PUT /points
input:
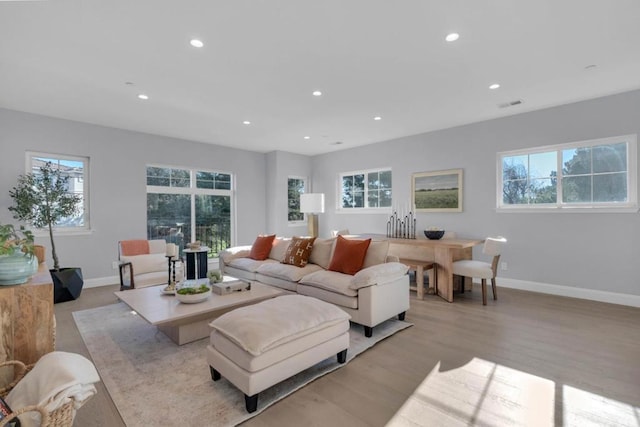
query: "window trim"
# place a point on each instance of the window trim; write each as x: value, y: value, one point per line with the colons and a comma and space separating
x: 366, y: 209
x: 192, y: 189
x: 629, y: 206
x: 303, y: 221
x: 86, y: 193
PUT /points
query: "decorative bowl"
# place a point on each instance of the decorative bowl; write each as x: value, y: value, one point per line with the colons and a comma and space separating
x: 434, y: 234
x: 197, y: 293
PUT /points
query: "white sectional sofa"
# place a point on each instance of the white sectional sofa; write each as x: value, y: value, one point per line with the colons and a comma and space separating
x: 379, y: 291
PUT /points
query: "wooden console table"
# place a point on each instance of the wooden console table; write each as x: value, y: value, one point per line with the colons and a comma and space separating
x: 27, y: 320
x: 443, y: 252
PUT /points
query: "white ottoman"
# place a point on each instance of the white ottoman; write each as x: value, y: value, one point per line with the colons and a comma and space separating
x: 258, y: 346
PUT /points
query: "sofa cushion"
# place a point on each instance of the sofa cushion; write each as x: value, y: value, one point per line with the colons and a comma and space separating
x: 321, y: 252
x: 286, y: 271
x: 280, y: 245
x: 146, y: 263
x: 249, y: 264
x: 329, y: 296
x: 376, y: 253
x: 379, y: 273
x: 348, y: 255
x: 262, y: 247
x: 299, y: 251
x: 330, y: 280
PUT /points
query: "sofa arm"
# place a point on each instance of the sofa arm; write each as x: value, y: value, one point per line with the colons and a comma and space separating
x: 378, y: 274
x: 232, y: 253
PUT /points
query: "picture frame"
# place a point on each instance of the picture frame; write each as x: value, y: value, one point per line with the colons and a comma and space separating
x: 437, y: 191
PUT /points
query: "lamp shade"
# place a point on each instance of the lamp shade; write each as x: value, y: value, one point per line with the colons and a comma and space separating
x: 312, y: 203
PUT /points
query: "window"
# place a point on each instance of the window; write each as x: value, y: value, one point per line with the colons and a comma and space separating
x: 185, y: 205
x: 296, y: 186
x: 366, y: 189
x: 588, y: 174
x: 77, y: 170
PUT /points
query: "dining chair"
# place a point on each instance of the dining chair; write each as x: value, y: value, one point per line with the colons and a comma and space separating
x: 480, y: 269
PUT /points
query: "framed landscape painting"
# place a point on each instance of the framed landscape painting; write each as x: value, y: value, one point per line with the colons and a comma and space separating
x: 439, y: 191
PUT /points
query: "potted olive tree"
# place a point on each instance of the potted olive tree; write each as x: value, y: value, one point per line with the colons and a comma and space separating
x: 41, y: 199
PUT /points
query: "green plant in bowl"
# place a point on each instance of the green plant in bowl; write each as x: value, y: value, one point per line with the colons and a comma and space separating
x: 192, y: 290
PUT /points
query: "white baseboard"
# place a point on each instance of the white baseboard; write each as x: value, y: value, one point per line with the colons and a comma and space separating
x: 101, y: 281
x: 570, y: 291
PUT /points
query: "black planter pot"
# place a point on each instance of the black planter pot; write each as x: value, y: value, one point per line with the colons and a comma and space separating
x: 67, y: 284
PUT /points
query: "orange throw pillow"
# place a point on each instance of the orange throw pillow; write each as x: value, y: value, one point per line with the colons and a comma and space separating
x: 261, y: 247
x: 299, y: 251
x: 349, y: 254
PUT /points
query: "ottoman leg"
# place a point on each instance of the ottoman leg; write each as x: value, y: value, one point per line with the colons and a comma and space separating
x: 401, y: 315
x: 342, y: 356
x: 215, y: 375
x: 251, y: 402
x: 368, y: 331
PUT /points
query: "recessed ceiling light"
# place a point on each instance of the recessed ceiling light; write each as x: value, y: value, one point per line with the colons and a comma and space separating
x: 143, y: 96
x: 337, y: 143
x: 317, y: 93
x: 452, y: 37
x: 377, y: 118
x: 494, y: 86
x: 307, y: 137
x: 246, y: 122
x: 196, y: 43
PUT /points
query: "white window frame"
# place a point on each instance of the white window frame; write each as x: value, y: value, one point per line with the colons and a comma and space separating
x: 306, y: 189
x: 366, y: 209
x: 193, y: 190
x: 74, y: 229
x: 630, y: 206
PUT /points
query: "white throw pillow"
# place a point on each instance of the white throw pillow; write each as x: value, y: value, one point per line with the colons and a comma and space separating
x: 377, y: 253
x: 322, y: 252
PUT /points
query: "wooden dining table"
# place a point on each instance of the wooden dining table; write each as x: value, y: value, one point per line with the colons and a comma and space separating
x: 443, y: 252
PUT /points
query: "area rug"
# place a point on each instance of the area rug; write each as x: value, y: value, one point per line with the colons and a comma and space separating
x: 152, y: 381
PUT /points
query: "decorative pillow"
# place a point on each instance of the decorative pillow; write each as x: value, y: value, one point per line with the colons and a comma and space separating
x: 280, y: 245
x: 146, y: 263
x: 299, y: 251
x: 262, y: 247
x: 349, y: 254
x: 377, y: 253
x: 321, y: 253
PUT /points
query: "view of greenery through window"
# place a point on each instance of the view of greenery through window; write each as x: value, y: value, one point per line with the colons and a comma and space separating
x: 296, y: 186
x: 367, y: 189
x: 76, y: 169
x: 186, y: 205
x: 590, y: 174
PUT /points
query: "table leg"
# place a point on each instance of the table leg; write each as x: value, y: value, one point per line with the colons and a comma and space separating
x: 444, y: 260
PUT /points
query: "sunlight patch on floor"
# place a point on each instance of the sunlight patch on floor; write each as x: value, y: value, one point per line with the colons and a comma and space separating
x: 483, y: 393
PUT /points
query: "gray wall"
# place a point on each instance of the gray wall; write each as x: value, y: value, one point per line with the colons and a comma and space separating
x: 117, y: 181
x: 597, y: 251
x: 580, y: 251
x: 280, y: 166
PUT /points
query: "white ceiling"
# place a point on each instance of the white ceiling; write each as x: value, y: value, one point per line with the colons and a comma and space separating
x: 262, y: 59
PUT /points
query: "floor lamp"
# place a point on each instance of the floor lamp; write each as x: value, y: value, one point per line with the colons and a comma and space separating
x: 312, y: 204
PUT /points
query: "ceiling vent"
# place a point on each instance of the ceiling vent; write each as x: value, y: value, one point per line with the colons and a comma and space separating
x: 511, y: 103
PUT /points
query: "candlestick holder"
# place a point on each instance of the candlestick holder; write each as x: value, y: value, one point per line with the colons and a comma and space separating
x: 401, y: 227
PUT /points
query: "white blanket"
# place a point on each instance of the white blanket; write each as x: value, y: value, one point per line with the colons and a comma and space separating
x: 266, y: 325
x: 56, y: 378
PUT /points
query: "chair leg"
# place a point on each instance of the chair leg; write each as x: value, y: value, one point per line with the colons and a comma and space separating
x: 495, y: 290
x: 484, y: 291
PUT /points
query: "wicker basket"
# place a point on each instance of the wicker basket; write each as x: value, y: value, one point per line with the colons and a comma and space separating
x: 61, y: 417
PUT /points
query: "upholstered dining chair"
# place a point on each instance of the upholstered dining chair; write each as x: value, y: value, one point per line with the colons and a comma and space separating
x: 480, y: 269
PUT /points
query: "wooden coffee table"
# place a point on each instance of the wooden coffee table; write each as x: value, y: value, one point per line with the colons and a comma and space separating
x: 184, y: 323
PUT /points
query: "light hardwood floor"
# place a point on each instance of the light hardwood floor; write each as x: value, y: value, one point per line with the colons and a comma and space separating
x: 526, y: 359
